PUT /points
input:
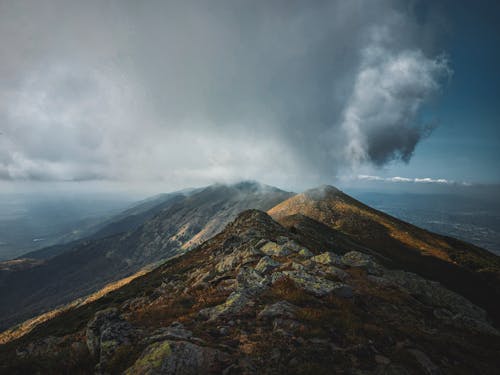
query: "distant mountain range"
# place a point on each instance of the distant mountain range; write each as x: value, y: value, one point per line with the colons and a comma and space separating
x: 320, y: 283
x: 153, y: 231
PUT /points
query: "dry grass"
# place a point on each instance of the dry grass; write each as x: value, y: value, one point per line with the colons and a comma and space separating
x: 27, y: 326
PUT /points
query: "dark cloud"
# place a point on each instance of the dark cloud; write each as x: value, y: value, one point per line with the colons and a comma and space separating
x: 193, y: 92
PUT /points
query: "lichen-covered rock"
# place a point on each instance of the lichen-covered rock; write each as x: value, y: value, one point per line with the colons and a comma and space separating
x: 282, y: 309
x: 237, y: 258
x: 106, y: 333
x: 355, y: 259
x: 452, y: 307
x: 266, y: 264
x: 250, y: 281
x: 327, y: 258
x: 305, y: 253
x: 316, y: 285
x: 178, y: 357
x: 337, y: 272
x: 273, y: 249
x: 233, y: 304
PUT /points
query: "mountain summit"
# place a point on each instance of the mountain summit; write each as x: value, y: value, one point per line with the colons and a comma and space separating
x: 464, y: 268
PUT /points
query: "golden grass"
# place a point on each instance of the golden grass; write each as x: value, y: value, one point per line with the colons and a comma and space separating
x: 27, y: 326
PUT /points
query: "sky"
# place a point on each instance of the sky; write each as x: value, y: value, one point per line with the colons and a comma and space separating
x: 161, y: 95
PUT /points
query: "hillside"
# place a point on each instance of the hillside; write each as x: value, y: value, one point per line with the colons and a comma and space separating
x: 261, y: 298
x: 462, y: 267
x: 178, y: 225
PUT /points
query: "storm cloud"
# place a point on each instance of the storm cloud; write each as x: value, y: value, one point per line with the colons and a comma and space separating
x: 203, y: 91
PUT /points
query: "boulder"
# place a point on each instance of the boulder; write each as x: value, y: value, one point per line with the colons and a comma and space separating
x: 355, y: 259
x: 316, y: 285
x: 273, y: 249
x: 327, y: 258
x: 282, y: 309
x: 106, y: 333
x: 178, y: 357
x: 448, y: 306
x: 266, y: 264
x: 305, y: 253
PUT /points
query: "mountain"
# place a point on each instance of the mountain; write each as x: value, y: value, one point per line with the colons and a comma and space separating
x: 262, y: 297
x: 127, y: 220
x: 176, y: 225
x: 462, y: 267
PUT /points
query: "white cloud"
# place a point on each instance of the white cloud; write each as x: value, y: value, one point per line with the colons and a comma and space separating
x: 380, y: 120
x: 425, y: 180
x: 188, y: 93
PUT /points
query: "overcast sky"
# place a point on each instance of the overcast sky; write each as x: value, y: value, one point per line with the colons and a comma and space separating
x: 185, y: 93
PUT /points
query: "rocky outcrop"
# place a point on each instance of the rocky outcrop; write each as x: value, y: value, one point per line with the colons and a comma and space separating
x: 178, y: 357
x: 106, y: 333
x: 238, y: 305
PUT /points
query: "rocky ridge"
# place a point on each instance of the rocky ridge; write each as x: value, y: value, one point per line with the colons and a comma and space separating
x: 259, y: 298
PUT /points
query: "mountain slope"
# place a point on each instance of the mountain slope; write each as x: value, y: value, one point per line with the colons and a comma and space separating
x: 260, y: 298
x: 129, y: 219
x: 90, y: 264
x: 462, y: 267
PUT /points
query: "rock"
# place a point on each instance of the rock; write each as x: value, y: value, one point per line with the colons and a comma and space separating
x: 315, y: 285
x: 282, y: 240
x: 298, y: 266
x: 343, y: 291
x: 381, y: 360
x: 424, y: 361
x: 202, y: 278
x: 337, y: 272
x: 282, y: 309
x: 250, y: 281
x: 237, y: 258
x: 327, y: 258
x: 175, y: 331
x: 305, y: 253
x: 266, y: 264
x: 233, y: 304
x: 355, y: 259
x: 273, y: 249
x: 106, y: 332
x: 448, y: 306
x: 178, y: 357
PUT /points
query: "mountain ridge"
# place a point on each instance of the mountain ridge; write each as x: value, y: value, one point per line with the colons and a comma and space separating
x: 463, y: 267
x: 259, y: 297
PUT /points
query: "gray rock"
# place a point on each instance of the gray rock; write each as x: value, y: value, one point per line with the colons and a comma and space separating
x: 282, y: 309
x: 305, y: 253
x: 424, y: 361
x: 106, y: 333
x: 327, y: 258
x: 178, y: 357
x: 318, y: 286
x: 356, y: 259
x: 273, y: 249
x: 337, y: 272
x: 448, y: 306
x: 266, y: 264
